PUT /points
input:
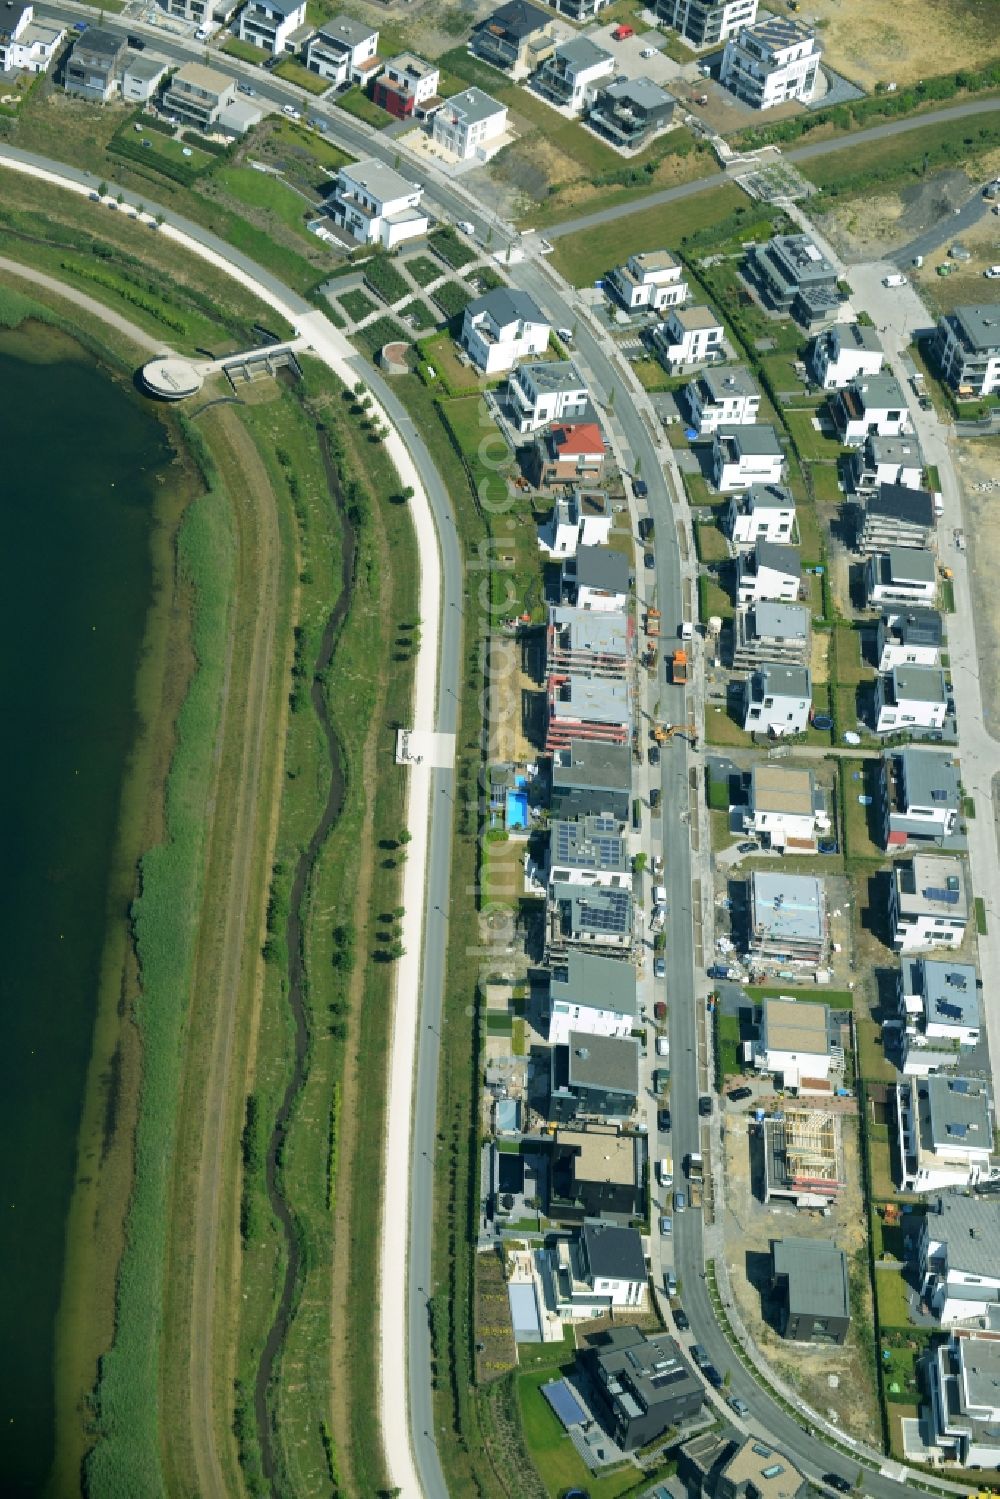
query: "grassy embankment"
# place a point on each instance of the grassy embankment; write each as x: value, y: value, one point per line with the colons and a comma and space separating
x: 322, y: 1405
x: 884, y: 163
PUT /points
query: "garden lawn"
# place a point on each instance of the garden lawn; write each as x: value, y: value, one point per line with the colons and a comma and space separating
x: 860, y: 820
x: 243, y: 50
x: 261, y: 190
x: 583, y: 257
x: 891, y: 1299
x: 171, y: 150
x: 423, y: 269
x: 357, y: 103
x: 551, y: 1450
x: 294, y: 72
x: 810, y: 443
x: 711, y: 544
x: 285, y: 132
x: 872, y: 1063
x: 729, y: 1032
x: 825, y: 483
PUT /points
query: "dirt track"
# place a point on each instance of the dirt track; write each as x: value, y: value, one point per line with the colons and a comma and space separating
x: 227, y: 973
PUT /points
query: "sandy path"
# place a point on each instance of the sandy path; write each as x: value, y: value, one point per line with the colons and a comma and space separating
x: 89, y: 304
x: 335, y: 352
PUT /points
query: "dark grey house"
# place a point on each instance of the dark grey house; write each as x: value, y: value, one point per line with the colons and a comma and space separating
x: 706, y: 22
x: 809, y: 1278
x: 793, y: 276
x: 514, y: 37
x: 590, y: 777
x: 595, y: 1172
x: 628, y: 111
x: 644, y: 1385
x: 895, y: 516
x: 967, y: 349
x: 921, y: 798
x: 596, y: 1075
x: 596, y: 573
x: 93, y: 67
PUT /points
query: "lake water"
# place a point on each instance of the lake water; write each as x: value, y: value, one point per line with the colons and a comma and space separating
x: 78, y: 485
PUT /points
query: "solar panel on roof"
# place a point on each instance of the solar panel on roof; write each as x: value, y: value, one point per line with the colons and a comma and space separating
x: 939, y: 796
x: 947, y: 897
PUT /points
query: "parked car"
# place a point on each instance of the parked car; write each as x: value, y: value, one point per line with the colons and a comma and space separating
x: 246, y: 88
x: 740, y: 1406
x: 992, y: 273
x: 640, y: 487
x: 649, y: 560
x: 680, y: 1202
x: 659, y: 1009
x: 654, y: 754
x: 842, y: 1485
x: 662, y: 1043
x: 666, y: 1226
x: 566, y: 334
x: 659, y: 972
x: 719, y: 971
x: 681, y: 1320
x: 671, y: 1283
x: 713, y: 1376
x: 738, y: 1094
x: 648, y: 52
x: 746, y: 848
x: 705, y: 1106
x: 664, y: 1172
x: 663, y: 1120
x: 699, y: 1355
x: 465, y: 226
x: 654, y: 798
x: 290, y: 111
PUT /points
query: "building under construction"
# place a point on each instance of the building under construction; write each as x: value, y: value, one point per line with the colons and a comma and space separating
x: 803, y: 1157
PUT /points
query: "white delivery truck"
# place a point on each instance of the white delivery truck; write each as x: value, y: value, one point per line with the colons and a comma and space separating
x: 894, y: 280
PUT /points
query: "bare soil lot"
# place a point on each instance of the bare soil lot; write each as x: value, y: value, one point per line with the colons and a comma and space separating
x: 901, y: 41
x: 868, y: 227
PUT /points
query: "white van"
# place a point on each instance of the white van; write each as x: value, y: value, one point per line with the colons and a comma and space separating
x: 665, y: 1173
x: 938, y: 502
x: 662, y: 1046
x: 894, y: 280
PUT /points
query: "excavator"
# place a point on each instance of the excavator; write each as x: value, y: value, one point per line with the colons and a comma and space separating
x: 662, y: 732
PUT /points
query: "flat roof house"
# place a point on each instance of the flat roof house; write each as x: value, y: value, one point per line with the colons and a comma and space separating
x: 723, y: 397
x: 939, y: 1013
x: 743, y: 456
x: 92, y: 69
x: 920, y: 795
x: 772, y: 62
x: 588, y: 640
x: 406, y: 84
x: 196, y: 95
x: 810, y: 1278
x: 599, y: 1267
x: 142, y: 74
x: 591, y: 851
x: 598, y: 578
x: 567, y: 453
x: 269, y: 24
x: 895, y: 516
x: 963, y: 1378
x: 344, y: 50
x: 869, y: 405
x: 911, y: 637
x: 788, y: 271
x: 502, y: 327
x: 582, y: 518
x: 705, y: 23
x: 593, y: 995
x: 956, y: 1257
x: 26, y: 45
x: 794, y: 1045
x: 777, y: 700
x: 581, y: 706
x: 967, y: 349
x: 600, y: 918
x: 546, y: 391
x: 929, y: 902
x: 645, y: 1385
x: 768, y: 631
x: 764, y: 512
x: 886, y: 460
x: 845, y: 352
x: 572, y: 75
x: 596, y: 1172
x: 784, y: 808
x: 649, y: 280
x: 630, y: 111
x: 376, y: 205
x: 588, y: 777
x: 468, y: 123
x: 688, y: 336
x: 901, y: 575
x: 593, y: 1075
x: 787, y: 918
x: 909, y: 698
x: 516, y: 38
x: 945, y: 1132
x: 770, y: 571
x: 756, y: 1471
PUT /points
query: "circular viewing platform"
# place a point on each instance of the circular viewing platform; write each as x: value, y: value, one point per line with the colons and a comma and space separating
x: 171, y: 379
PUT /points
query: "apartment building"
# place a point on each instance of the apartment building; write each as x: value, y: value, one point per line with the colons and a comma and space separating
x: 468, y: 124
x: 772, y: 62
x: 648, y: 282
x: 629, y: 112
x: 792, y: 275
x: 930, y: 902
x: 845, y: 352
x: 706, y: 23
x: 571, y: 77
x: 764, y: 512
x: 728, y: 397
x: 967, y: 349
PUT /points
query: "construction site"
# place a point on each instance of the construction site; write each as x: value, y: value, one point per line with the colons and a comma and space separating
x: 802, y: 1157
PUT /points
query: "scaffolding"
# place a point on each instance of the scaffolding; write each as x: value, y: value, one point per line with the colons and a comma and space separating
x: 803, y: 1156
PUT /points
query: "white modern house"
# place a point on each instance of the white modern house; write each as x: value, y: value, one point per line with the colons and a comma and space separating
x: 764, y: 512
x: 540, y: 392
x: 967, y: 347
x: 793, y: 1044
x: 777, y: 700
x: 901, y: 575
x: 580, y: 519
x: 26, y: 45
x: 784, y: 810
x: 869, y: 405
x: 142, y: 75
x: 909, y: 637
x: 648, y: 281
x: 573, y: 74
x: 845, y: 352
x: 939, y: 1014
x: 921, y: 795
x: 406, y: 84
x: 592, y: 994
x: 963, y: 1378
x: 910, y: 697
x: 343, y: 51
x: 930, y: 902
x: 590, y: 850
x: 269, y: 24
x: 723, y: 397
x: 945, y: 1132
x: 957, y: 1259
x: 688, y: 335
x: 468, y: 123
x: 501, y: 327
x: 599, y: 1267
x: 376, y: 205
x: 773, y: 62
x: 768, y: 572
x: 744, y: 456
x: 600, y: 579
x: 886, y: 460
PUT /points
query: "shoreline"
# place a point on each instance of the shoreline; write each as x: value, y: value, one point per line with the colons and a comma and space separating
x: 94, y: 1228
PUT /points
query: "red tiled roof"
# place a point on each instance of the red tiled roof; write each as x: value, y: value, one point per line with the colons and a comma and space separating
x: 578, y: 437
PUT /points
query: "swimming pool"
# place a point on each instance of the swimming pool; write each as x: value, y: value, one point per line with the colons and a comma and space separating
x: 517, y: 809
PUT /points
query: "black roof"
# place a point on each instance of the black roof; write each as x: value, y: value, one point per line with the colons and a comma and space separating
x: 901, y: 503
x: 612, y: 1251
x: 517, y: 19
